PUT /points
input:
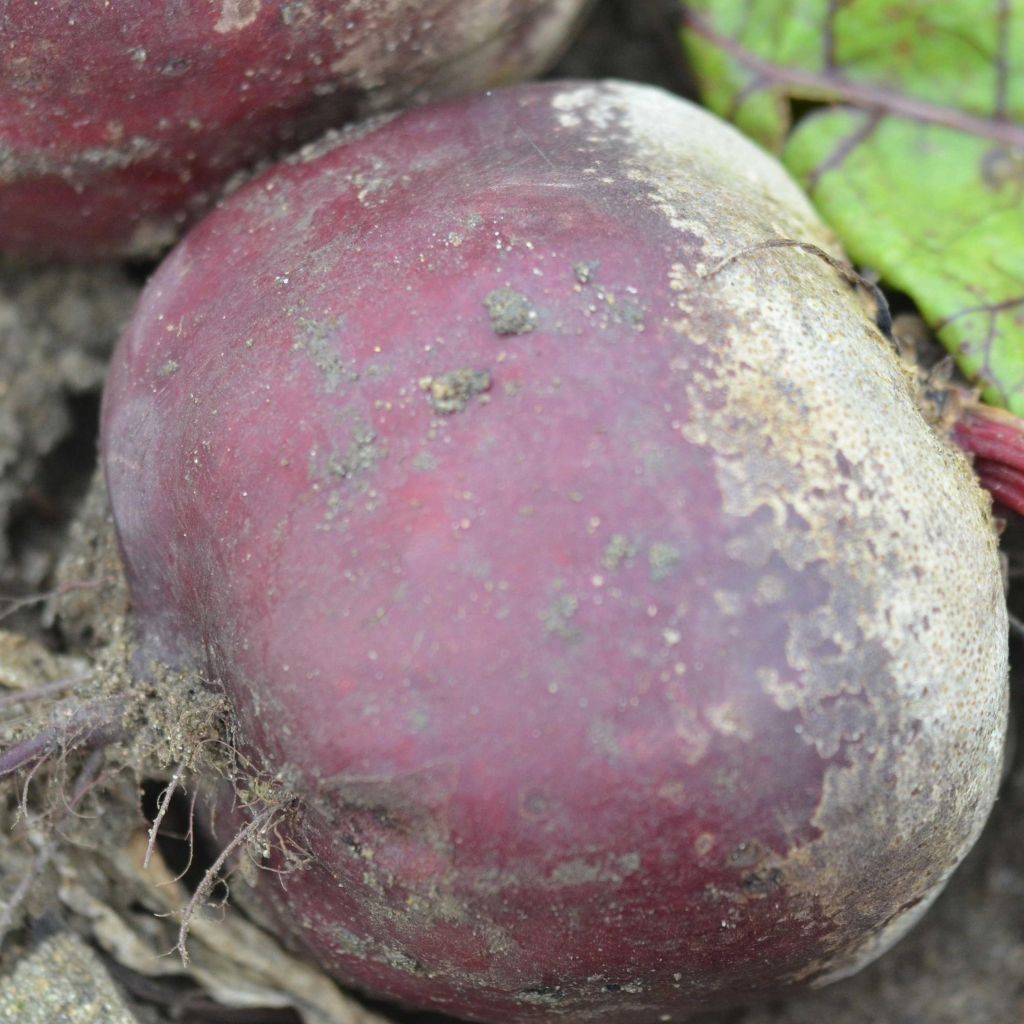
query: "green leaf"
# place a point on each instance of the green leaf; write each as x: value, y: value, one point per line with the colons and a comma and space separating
x: 909, y: 137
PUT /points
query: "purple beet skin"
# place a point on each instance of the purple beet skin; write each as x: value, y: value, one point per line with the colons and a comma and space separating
x: 637, y: 645
x: 120, y: 122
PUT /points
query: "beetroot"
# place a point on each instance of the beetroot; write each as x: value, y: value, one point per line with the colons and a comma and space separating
x: 636, y: 644
x: 120, y: 121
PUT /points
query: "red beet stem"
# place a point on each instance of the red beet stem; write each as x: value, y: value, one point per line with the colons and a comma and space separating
x: 1004, y: 483
x: 996, y: 440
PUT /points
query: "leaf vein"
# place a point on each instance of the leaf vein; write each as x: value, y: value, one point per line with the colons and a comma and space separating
x: 858, y: 94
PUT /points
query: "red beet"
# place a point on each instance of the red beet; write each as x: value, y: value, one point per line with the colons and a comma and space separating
x: 637, y: 644
x: 120, y: 121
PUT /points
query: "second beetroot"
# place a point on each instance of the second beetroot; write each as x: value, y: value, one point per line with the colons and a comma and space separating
x: 120, y: 123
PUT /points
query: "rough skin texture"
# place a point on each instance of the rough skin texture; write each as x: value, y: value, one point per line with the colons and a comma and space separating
x: 121, y: 121
x: 639, y: 646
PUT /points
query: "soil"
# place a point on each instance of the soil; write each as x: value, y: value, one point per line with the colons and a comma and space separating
x: 88, y: 944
